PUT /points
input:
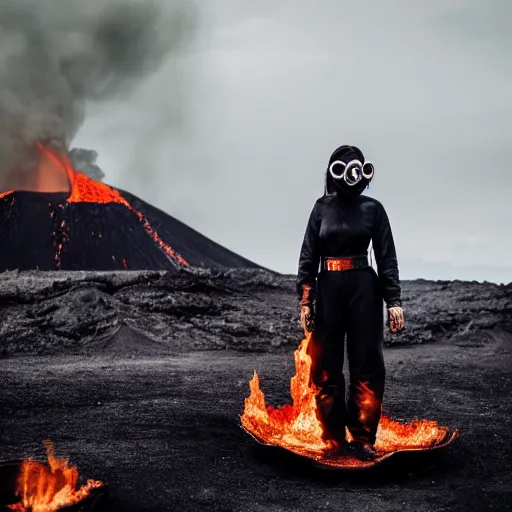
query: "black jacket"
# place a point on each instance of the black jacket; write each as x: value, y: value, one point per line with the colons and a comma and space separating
x: 343, y: 226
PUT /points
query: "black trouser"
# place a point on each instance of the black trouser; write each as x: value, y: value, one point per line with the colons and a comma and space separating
x: 349, y: 303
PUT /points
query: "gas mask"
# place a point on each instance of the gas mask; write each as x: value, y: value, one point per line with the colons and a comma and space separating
x: 348, y: 172
x: 351, y: 174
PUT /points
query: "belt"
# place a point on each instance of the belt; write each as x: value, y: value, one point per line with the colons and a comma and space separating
x: 340, y: 264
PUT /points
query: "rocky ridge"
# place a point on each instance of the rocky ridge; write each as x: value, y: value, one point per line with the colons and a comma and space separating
x: 149, y: 312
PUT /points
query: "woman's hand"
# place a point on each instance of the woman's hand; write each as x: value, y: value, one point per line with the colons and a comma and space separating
x: 306, y: 319
x: 396, y: 318
x: 306, y: 303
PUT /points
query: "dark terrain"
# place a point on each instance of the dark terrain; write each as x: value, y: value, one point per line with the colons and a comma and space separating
x: 140, y: 378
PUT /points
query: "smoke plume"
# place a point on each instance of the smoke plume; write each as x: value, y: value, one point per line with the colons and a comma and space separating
x: 84, y: 161
x: 57, y: 55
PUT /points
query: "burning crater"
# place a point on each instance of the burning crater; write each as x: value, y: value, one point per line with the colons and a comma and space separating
x: 57, y: 218
x: 296, y: 428
x: 32, y: 486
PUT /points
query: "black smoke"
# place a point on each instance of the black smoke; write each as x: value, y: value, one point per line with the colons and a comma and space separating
x: 84, y: 161
x: 58, y: 55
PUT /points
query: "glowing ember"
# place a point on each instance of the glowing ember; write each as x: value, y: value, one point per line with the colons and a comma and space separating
x: 296, y: 427
x: 44, y: 488
x: 6, y: 193
x: 85, y: 190
x: 9, y: 198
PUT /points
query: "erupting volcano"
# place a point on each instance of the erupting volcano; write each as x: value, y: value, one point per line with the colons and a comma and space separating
x: 57, y: 218
x: 43, y: 488
x: 295, y: 427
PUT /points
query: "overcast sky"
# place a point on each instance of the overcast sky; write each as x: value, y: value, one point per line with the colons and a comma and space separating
x: 233, y: 135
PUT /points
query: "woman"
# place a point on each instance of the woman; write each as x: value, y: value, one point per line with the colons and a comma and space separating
x: 341, y: 295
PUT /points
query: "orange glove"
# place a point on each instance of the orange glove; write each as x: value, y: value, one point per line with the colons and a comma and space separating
x: 306, y: 316
x: 396, y: 318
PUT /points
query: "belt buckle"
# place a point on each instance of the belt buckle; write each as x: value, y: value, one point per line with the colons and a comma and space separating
x: 339, y: 264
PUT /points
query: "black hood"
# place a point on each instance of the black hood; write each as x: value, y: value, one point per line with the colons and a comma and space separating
x: 345, y: 154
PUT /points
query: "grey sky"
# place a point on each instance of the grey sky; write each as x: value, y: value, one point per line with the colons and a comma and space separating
x: 233, y: 135
x: 57, y: 54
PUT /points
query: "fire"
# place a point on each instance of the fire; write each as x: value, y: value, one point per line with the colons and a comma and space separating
x: 83, y: 189
x: 44, y: 488
x: 368, y: 404
x: 293, y: 426
x: 296, y: 427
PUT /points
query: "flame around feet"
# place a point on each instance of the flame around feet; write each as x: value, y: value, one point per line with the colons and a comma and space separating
x: 296, y: 427
x: 44, y: 488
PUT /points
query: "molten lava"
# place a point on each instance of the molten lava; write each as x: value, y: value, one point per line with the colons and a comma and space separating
x: 296, y: 427
x: 44, y: 488
x: 56, y: 173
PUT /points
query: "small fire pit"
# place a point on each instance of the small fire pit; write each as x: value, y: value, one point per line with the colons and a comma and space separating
x: 33, y: 486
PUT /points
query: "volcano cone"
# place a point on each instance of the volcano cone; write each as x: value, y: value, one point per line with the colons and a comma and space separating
x: 97, y: 227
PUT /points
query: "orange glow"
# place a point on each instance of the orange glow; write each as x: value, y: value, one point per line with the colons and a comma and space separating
x: 296, y: 427
x: 45, y: 175
x: 337, y: 264
x: 293, y: 426
x: 43, y: 488
x: 368, y: 404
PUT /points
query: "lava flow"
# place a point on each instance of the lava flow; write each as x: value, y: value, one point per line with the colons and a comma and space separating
x: 55, y: 164
x: 44, y: 488
x: 295, y: 426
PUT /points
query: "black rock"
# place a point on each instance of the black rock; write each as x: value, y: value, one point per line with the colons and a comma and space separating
x: 205, y: 309
x: 42, y: 231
